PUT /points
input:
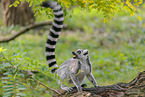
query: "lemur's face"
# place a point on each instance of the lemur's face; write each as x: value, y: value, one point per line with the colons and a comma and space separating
x: 80, y: 54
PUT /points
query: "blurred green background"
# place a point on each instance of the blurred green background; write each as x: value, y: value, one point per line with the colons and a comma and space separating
x: 117, y: 48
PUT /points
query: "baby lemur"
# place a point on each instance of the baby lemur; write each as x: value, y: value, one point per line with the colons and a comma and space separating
x: 74, y: 70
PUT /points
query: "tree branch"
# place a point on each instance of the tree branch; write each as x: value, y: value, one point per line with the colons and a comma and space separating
x: 25, y: 29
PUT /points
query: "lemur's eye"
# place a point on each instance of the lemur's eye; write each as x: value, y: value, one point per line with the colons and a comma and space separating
x: 79, y: 52
x: 85, y: 53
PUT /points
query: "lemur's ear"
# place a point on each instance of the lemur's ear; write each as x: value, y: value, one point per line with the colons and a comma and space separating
x: 86, y: 52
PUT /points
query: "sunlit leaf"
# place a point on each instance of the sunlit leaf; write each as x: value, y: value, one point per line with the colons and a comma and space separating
x: 139, y: 18
x: 140, y: 2
x: 1, y: 49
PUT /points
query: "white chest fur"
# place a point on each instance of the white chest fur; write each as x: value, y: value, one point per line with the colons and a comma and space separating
x: 84, y: 69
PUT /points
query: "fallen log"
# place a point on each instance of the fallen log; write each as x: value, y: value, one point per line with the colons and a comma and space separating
x: 135, y: 88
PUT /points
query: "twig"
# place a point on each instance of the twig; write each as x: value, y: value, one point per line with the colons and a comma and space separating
x: 47, y: 87
x: 30, y: 76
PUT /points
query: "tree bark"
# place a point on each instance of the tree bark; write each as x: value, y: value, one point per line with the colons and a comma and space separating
x: 135, y: 88
x: 20, y: 15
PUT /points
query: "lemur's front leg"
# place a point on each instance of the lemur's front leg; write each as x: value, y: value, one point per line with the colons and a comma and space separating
x: 76, y: 82
x: 92, y: 79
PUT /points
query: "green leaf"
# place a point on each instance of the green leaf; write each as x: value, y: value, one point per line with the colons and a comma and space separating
x: 21, y: 94
x: 7, y: 73
x: 8, y: 86
x: 20, y: 75
x: 7, y: 95
x: 5, y: 78
x: 8, y: 92
x: 22, y: 88
x: 5, y: 65
x: 7, y: 82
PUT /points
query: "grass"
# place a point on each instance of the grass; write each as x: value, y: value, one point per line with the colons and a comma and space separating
x: 117, y: 49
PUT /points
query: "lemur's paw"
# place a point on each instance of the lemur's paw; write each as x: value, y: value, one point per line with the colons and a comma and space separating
x: 69, y: 89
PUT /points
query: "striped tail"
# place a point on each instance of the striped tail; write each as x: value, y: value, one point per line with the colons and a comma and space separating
x: 54, y: 33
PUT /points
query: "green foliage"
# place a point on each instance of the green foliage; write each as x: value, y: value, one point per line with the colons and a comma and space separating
x: 108, y: 7
x: 12, y: 86
x: 15, y: 77
x: 81, y: 19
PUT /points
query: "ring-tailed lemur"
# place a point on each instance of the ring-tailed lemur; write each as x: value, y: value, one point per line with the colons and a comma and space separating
x: 75, y: 69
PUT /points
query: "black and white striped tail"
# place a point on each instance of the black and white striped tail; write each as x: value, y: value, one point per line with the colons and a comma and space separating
x: 54, y: 33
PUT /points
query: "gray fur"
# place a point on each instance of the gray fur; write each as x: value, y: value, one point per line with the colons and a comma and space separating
x: 75, y: 69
